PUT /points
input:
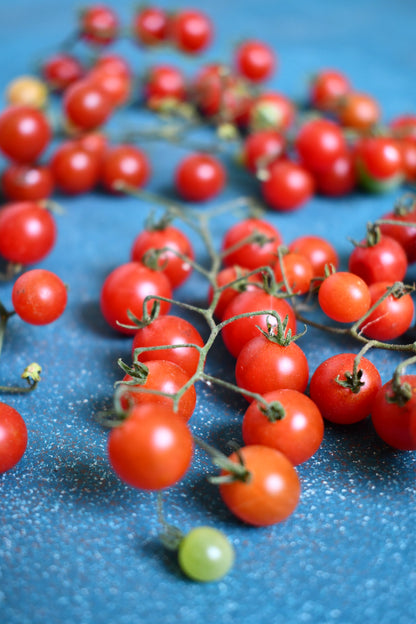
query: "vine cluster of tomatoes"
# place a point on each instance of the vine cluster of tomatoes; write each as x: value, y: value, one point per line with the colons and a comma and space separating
x: 258, y: 288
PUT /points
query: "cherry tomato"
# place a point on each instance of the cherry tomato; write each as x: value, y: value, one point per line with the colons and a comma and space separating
x: 13, y: 437
x: 75, y: 170
x: 378, y: 163
x: 270, y: 494
x: 126, y: 288
x: 236, y: 333
x: 344, y: 297
x: 255, y: 254
x: 318, y: 250
x: 170, y: 330
x: 163, y: 376
x: 27, y: 91
x: 164, y: 82
x: 39, y: 297
x: 191, y: 31
x: 24, y: 133
x: 99, y: 25
x: 359, y: 111
x: 205, y: 554
x: 94, y: 142
x: 168, y: 237
x: 351, y: 400
x: 392, y: 317
x: 407, y: 150
x: 151, y: 26
x: 114, y: 64
x: 405, y: 235
x: 319, y: 142
x: 261, y: 148
x: 86, y: 105
x: 264, y: 365
x: 127, y: 164
x: 224, y: 280
x: 297, y: 433
x: 115, y: 84
x: 27, y: 232
x: 61, y: 70
x: 216, y: 91
x: 395, y: 423
x: 340, y: 178
x: 298, y: 272
x: 27, y: 182
x: 199, y: 177
x: 404, y: 126
x: 328, y: 86
x: 386, y: 259
x: 152, y: 449
x: 288, y: 186
x: 271, y: 111
x: 255, y: 60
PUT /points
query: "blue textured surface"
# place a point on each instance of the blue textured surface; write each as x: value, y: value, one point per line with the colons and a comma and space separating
x: 79, y: 546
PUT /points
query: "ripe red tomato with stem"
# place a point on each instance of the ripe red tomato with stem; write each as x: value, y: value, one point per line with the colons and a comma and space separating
x: 172, y: 331
x: 39, y: 297
x: 271, y: 110
x: 75, y: 170
x: 191, y: 31
x: 164, y: 82
x: 378, y: 163
x: 255, y: 60
x: 404, y: 211
x: 378, y: 256
x: 319, y: 251
x: 392, y: 317
x: 296, y: 269
x: 238, y: 249
x: 126, y: 288
x: 291, y: 424
x: 124, y: 164
x: 152, y: 448
x: 261, y: 148
x: 60, y: 70
x: 358, y: 111
x: 99, y: 25
x: 343, y: 392
x: 150, y: 26
x: 267, y: 492
x: 24, y: 133
x: 236, y: 333
x: 177, y: 249
x: 394, y: 412
x: 13, y: 437
x: 27, y: 232
x: 26, y: 182
x: 161, y: 376
x: 200, y: 177
x: 270, y: 361
x: 288, y: 186
x: 344, y: 297
x: 319, y: 142
x: 327, y: 87
x: 86, y: 105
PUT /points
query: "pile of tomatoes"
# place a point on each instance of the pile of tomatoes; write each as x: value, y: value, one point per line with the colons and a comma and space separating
x: 255, y: 282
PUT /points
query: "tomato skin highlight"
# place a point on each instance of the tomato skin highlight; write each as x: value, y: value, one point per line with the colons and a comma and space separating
x: 391, y: 318
x: 39, y: 297
x: 27, y: 232
x: 344, y: 297
x: 298, y: 435
x: 13, y: 437
x: 396, y: 424
x: 251, y: 255
x: 270, y: 495
x: 24, y: 133
x: 386, y: 259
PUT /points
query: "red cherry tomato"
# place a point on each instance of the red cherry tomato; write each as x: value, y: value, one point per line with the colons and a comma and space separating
x: 319, y: 143
x: 359, y: 111
x: 263, y: 366
x: 271, y: 110
x: 86, y: 105
x: 13, y: 437
x: 126, y: 288
x: 395, y: 423
x: 61, y: 70
x: 127, y: 164
x: 378, y: 163
x: 75, y: 170
x: 27, y: 182
x: 115, y: 84
x: 251, y: 255
x: 255, y: 60
x: 405, y: 235
x: 24, y: 133
x: 39, y: 297
x: 199, y: 177
x: 164, y: 82
x: 344, y: 297
x: 385, y: 260
x: 404, y: 126
x: 318, y: 250
x: 152, y: 449
x: 288, y: 186
x: 99, y: 25
x: 340, y: 178
x: 271, y: 492
x: 151, y: 26
x: 298, y: 272
x: 224, y: 281
x: 392, y: 317
x: 337, y: 402
x: 298, y: 433
x: 261, y: 148
x: 163, y: 376
x: 27, y: 232
x: 191, y: 31
x: 327, y: 88
x: 170, y: 330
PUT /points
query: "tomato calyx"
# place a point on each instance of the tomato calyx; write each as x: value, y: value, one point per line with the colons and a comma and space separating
x: 405, y: 205
x: 138, y: 371
x: 402, y: 390
x: 279, y: 333
x: 147, y: 318
x: 236, y: 471
x: 352, y: 380
x: 273, y: 411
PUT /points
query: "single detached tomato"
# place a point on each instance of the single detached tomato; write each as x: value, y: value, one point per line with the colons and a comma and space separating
x: 171, y: 331
x: 173, y: 261
x: 152, y: 449
x: 297, y: 270
x: 200, y: 177
x: 24, y: 133
x: 239, y: 331
x: 229, y: 285
x: 261, y: 148
x: 328, y: 86
x: 126, y: 288
x: 340, y: 396
x: 292, y: 425
x: 125, y: 164
x: 264, y: 365
x: 75, y: 170
x: 39, y: 297
x: 344, y: 297
x: 384, y: 260
x: 13, y: 437
x: 27, y: 232
x: 255, y: 60
x: 392, y: 317
x: 319, y: 251
x: 191, y: 31
x: 269, y: 493
x: 150, y: 26
x: 378, y: 163
x: 86, y: 105
x: 319, y: 142
x: 163, y: 376
x: 99, y: 25
x: 288, y: 186
x: 27, y: 182
x: 261, y: 250
x: 60, y: 70
x: 393, y: 420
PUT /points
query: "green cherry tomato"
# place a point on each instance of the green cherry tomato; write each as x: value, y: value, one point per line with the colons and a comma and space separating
x: 205, y: 554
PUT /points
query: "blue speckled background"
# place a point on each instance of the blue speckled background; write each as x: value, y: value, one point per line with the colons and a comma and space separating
x: 77, y: 546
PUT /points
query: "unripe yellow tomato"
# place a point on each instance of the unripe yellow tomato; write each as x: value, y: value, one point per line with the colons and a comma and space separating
x: 27, y: 91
